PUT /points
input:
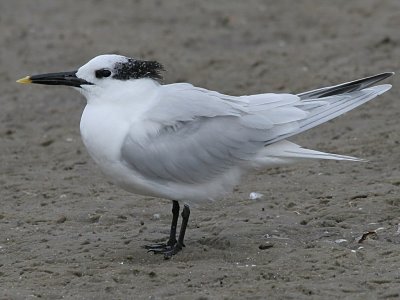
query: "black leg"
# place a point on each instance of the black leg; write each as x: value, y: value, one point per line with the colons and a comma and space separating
x: 175, y: 216
x: 173, y: 246
x: 162, y: 247
x: 179, y: 245
x: 185, y: 221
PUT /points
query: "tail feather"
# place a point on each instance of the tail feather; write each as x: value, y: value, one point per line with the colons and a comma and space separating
x: 291, y: 151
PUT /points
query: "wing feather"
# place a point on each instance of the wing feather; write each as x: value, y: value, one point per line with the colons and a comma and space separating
x: 213, y: 146
x: 197, y: 135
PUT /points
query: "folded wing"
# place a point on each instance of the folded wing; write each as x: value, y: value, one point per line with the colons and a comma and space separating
x: 200, y: 135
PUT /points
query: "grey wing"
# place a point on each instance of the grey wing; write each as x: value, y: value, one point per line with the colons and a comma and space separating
x: 193, y: 151
x: 333, y: 103
x: 202, y: 134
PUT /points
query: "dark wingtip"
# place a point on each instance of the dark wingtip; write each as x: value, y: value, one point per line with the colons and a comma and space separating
x: 383, y: 76
x: 347, y: 87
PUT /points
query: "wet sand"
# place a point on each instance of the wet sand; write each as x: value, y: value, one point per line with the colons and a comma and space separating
x: 65, y: 232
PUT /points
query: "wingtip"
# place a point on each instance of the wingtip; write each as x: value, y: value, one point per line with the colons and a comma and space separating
x: 387, y: 74
x: 381, y: 76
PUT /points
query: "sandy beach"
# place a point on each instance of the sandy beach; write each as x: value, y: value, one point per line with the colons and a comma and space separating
x: 67, y: 233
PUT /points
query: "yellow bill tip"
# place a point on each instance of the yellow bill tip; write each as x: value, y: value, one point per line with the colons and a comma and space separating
x: 26, y: 79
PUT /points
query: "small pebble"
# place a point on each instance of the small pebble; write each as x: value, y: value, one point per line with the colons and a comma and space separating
x: 265, y: 246
x: 61, y: 219
x: 255, y: 196
x: 340, y: 241
x: 152, y: 274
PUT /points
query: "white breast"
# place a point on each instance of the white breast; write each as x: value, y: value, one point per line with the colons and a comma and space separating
x: 105, y: 123
x: 102, y: 132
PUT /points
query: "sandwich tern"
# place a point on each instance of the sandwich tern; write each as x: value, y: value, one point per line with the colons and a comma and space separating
x: 190, y: 144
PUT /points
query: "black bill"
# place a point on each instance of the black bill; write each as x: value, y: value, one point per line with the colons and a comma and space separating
x: 61, y: 78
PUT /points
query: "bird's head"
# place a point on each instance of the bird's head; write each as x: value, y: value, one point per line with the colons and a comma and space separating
x: 101, y: 72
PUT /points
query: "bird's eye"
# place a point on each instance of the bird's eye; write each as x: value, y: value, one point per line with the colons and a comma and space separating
x: 102, y: 73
